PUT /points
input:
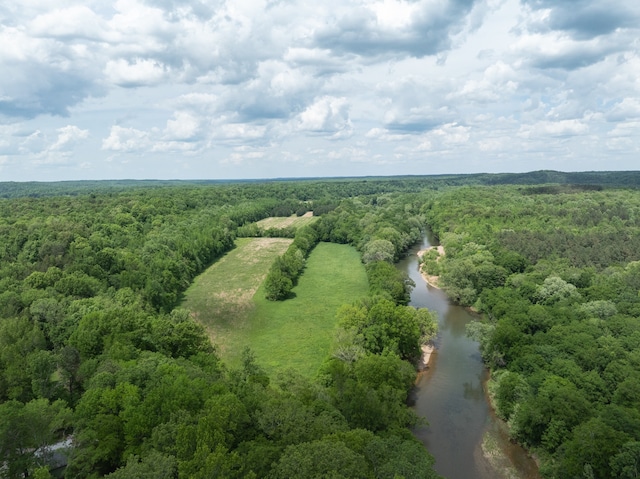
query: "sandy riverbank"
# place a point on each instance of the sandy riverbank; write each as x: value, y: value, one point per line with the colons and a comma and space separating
x: 495, y: 456
x: 427, y: 351
x: 431, y: 280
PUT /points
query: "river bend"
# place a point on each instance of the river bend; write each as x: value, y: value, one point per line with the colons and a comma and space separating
x: 450, y: 394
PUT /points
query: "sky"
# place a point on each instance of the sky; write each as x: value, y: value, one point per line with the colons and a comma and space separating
x: 215, y: 89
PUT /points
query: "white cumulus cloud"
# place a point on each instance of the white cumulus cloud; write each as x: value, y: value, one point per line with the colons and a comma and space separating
x: 195, y: 88
x: 122, y: 139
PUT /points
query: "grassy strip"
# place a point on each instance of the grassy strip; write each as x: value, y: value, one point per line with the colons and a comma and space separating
x: 284, y: 222
x: 298, y: 332
x: 295, y: 333
x: 221, y: 298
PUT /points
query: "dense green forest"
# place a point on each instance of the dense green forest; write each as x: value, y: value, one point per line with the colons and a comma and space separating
x: 93, y: 345
x: 338, y: 187
x: 556, y: 271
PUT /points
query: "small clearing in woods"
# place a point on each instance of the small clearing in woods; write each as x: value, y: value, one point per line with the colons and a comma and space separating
x: 228, y: 299
x: 284, y: 222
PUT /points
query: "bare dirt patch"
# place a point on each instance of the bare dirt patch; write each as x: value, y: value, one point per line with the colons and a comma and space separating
x: 259, y: 244
x: 254, y: 250
x: 284, y: 222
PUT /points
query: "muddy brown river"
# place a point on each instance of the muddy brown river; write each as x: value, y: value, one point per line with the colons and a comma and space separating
x: 450, y: 395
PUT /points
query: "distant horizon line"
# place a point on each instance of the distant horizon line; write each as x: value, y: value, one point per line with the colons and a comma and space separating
x: 302, y: 178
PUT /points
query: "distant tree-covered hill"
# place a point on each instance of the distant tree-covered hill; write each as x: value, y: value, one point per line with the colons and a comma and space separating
x: 357, y: 185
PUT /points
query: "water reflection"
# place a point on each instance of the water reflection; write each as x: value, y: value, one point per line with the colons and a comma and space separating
x: 473, y: 392
x: 450, y: 392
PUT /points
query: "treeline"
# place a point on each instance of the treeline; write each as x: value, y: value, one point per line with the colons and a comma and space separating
x: 286, y: 269
x: 92, y: 347
x: 556, y: 273
x: 381, y: 227
x: 336, y: 187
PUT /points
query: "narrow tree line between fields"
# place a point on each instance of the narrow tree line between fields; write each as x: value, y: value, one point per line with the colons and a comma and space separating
x: 286, y: 269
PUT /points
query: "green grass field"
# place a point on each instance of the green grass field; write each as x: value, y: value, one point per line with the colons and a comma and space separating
x: 295, y: 333
x: 221, y: 298
x: 282, y: 222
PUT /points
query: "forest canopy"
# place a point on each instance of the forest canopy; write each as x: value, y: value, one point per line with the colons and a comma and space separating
x: 95, y: 348
x: 554, y: 270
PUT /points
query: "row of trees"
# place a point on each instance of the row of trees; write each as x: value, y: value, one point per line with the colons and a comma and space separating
x: 334, y: 189
x: 286, y: 269
x: 556, y: 273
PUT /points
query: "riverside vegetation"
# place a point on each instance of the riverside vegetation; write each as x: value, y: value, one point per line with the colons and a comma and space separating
x: 96, y: 344
x: 555, y: 270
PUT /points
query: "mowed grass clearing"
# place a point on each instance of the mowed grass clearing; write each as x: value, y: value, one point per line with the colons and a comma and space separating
x: 280, y: 222
x: 296, y: 333
x: 221, y: 298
